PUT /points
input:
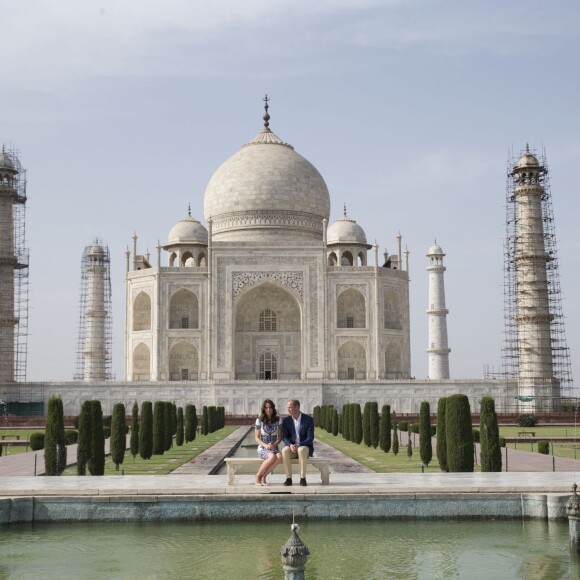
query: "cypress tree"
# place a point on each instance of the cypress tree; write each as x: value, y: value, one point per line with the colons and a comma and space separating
x: 168, y: 428
x: 490, y: 448
x: 190, y: 423
x: 159, y: 428
x: 85, y: 438
x: 346, y: 421
x: 385, y: 429
x: 442, y: 435
x: 96, y: 463
x: 221, y: 417
x: 179, y: 433
x: 211, y: 419
x: 352, y: 421
x: 409, y: 446
x: 146, y: 431
x: 316, y: 416
x: 395, y: 435
x: 425, y: 445
x: 459, y: 434
x: 204, y: 422
x: 366, y: 424
x: 334, y: 422
x: 330, y: 418
x: 135, y: 430
x: 173, y: 419
x: 118, y: 441
x: 358, y: 431
x: 374, y: 412
x: 54, y: 439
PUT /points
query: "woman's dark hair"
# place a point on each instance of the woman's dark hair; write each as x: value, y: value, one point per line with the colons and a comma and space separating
x: 264, y: 418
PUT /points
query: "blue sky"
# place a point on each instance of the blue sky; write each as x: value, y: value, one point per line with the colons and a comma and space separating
x: 122, y: 111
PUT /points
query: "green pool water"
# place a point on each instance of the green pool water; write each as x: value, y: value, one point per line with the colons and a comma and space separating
x: 496, y: 550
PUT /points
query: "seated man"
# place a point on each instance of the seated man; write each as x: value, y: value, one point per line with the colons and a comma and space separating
x: 298, y: 436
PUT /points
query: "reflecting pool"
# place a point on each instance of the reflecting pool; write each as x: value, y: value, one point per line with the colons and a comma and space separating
x: 340, y: 549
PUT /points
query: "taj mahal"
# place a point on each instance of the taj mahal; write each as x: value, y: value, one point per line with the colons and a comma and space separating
x: 269, y: 299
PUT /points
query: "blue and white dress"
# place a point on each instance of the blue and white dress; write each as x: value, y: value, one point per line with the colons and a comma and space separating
x: 268, y: 434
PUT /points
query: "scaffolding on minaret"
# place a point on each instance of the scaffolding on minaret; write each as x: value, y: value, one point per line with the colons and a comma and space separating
x: 13, y: 269
x: 95, y: 337
x: 513, y: 292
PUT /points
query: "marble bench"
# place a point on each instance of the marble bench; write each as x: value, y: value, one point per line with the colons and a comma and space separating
x: 234, y: 463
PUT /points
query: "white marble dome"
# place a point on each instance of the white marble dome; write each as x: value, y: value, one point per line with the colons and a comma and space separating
x: 527, y: 160
x: 435, y: 250
x: 266, y: 191
x: 345, y: 231
x: 6, y: 162
x: 188, y: 231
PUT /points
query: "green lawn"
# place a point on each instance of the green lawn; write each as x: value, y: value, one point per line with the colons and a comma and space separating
x: 166, y: 463
x: 376, y: 459
x: 546, y: 431
x: 11, y: 434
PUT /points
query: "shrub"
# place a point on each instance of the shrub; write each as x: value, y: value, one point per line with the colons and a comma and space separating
x: 502, y: 442
x: 490, y: 451
x: 118, y: 435
x: 85, y: 437
x: 527, y: 420
x: 358, y: 431
x: 544, y: 447
x: 385, y: 429
x: 475, y: 435
x: 441, y: 435
x: 54, y: 440
x: 366, y: 424
x: 395, y: 435
x: 211, y: 419
x: 414, y: 428
x: 221, y: 417
x: 107, y: 420
x: 76, y: 422
x: 190, y: 423
x: 146, y: 430
x: 346, y: 421
x: 37, y: 441
x: 459, y: 434
x: 179, y: 435
x: 409, y: 446
x: 159, y: 428
x: 173, y: 419
x: 106, y: 432
x: 204, y: 421
x: 71, y: 436
x: 334, y: 422
x: 96, y: 463
x: 425, y: 444
x: 134, y: 430
x: 403, y: 426
x: 316, y: 416
x: 374, y: 424
x: 168, y: 427
x: 433, y: 430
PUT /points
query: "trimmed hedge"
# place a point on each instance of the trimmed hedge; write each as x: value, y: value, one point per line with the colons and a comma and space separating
x: 414, y: 428
x: 442, y: 434
x: 403, y: 426
x: 544, y: 447
x: 54, y: 439
x: 134, y: 430
x: 395, y: 435
x: 118, y: 442
x: 490, y: 454
x: 190, y: 423
x: 96, y: 462
x: 459, y: 434
x: 358, y: 430
x: 37, y: 441
x: 146, y: 430
x: 179, y: 435
x: 159, y: 428
x: 71, y: 436
x: 385, y: 429
x: 527, y: 420
x: 475, y: 435
x: 425, y: 443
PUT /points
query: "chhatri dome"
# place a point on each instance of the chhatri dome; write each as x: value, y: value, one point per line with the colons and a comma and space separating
x: 187, y: 231
x: 528, y: 160
x: 266, y: 191
x: 346, y: 231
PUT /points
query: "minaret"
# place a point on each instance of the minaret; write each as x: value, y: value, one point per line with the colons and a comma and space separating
x: 533, y: 317
x: 12, y: 201
x: 95, y: 327
x: 438, y: 349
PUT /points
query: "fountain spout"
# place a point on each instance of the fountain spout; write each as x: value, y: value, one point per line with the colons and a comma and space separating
x: 294, y: 555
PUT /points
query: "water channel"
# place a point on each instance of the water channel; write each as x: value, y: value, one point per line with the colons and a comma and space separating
x: 340, y: 549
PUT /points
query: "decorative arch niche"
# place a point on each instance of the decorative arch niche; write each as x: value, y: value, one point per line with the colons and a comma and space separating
x: 183, y: 310
x: 183, y: 362
x: 141, y: 363
x: 142, y: 312
x: 351, y: 309
x: 352, y: 361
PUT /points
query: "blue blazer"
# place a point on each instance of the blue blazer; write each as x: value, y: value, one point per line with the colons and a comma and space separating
x: 306, y: 432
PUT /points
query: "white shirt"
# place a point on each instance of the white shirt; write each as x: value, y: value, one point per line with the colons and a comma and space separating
x: 297, y: 428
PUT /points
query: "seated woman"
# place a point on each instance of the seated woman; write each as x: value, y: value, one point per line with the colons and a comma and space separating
x: 268, y: 437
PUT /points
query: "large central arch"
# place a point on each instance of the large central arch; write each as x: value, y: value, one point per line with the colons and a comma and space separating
x: 268, y: 327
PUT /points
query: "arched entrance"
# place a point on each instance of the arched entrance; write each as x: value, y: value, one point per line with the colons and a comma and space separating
x: 268, y: 342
